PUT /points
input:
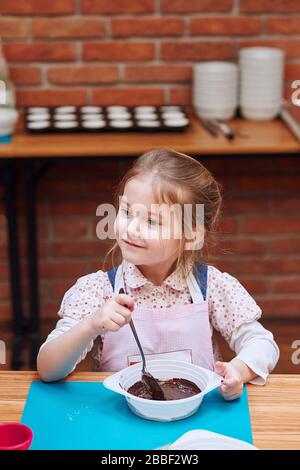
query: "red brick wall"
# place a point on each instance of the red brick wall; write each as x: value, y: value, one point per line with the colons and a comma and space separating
x: 134, y: 51
x: 142, y: 51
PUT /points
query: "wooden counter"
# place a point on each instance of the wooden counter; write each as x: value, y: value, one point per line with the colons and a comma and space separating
x: 274, y: 408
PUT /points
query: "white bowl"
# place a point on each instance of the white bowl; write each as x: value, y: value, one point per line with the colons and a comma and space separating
x: 65, y: 109
x: 200, y: 439
x: 37, y: 116
x: 146, y: 123
x: 38, y: 109
x: 216, y: 113
x: 91, y: 109
x: 261, y: 53
x: 145, y: 109
x: 115, y: 108
x: 158, y: 410
x: 215, y: 66
x: 64, y: 117
x: 8, y: 120
x: 97, y: 124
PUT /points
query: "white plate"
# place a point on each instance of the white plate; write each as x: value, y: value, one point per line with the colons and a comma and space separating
x: 65, y: 109
x: 91, y: 117
x: 207, y: 440
x: 118, y: 115
x: 145, y: 123
x: 115, y: 108
x: 121, y: 124
x: 65, y: 117
x: 66, y: 124
x: 38, y: 116
x: 38, y: 125
x: 38, y: 109
x: 93, y: 124
x: 91, y: 109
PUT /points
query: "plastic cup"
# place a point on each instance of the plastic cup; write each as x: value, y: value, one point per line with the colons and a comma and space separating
x: 15, y: 436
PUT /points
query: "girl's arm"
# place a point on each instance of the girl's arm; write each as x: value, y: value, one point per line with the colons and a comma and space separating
x: 234, y: 313
x: 59, y: 356
x: 255, y: 347
x: 257, y: 355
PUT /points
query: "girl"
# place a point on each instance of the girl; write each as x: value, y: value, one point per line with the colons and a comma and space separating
x: 174, y: 297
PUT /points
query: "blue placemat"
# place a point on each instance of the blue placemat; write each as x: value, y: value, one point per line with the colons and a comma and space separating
x: 85, y: 415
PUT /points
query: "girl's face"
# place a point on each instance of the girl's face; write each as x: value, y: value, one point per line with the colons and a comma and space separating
x: 144, y: 232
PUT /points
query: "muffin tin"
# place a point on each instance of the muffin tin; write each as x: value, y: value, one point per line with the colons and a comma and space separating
x: 95, y: 119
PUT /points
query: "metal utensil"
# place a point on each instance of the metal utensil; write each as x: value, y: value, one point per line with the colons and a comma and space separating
x: 224, y: 128
x: 150, y: 382
x: 209, y: 127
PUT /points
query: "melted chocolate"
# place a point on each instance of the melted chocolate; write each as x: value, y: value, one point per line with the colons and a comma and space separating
x: 174, y: 389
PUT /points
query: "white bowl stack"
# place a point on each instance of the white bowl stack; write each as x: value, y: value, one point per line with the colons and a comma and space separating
x: 215, y: 90
x: 261, y: 70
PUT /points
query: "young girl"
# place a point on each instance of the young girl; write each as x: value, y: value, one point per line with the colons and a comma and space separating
x: 174, y: 297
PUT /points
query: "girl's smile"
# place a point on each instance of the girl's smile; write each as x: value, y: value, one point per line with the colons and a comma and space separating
x: 133, y: 245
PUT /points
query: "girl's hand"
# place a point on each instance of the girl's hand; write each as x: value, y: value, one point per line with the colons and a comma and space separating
x: 233, y: 383
x: 112, y: 315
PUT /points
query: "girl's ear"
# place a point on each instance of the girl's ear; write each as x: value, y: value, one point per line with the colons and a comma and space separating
x: 196, y: 241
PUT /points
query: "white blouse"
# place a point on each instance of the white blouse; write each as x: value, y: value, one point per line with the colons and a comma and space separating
x: 232, y: 312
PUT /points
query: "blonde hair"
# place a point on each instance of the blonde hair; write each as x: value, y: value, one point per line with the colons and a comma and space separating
x: 177, y: 179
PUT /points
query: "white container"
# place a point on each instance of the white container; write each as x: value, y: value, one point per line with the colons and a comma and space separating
x: 261, y: 53
x: 219, y: 113
x: 38, y: 116
x: 65, y: 109
x: 256, y: 114
x: 215, y: 90
x: 91, y: 117
x: 157, y: 410
x: 91, y: 109
x: 8, y: 121
x: 200, y: 439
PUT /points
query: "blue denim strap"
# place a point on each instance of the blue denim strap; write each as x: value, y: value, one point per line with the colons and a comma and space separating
x: 201, y: 270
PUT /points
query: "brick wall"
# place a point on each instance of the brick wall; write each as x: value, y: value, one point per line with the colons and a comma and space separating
x: 134, y: 51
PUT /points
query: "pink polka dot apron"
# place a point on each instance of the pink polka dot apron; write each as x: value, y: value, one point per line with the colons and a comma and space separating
x: 181, y: 332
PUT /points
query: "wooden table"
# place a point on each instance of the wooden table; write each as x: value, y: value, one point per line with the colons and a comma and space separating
x: 274, y: 408
x: 39, y: 152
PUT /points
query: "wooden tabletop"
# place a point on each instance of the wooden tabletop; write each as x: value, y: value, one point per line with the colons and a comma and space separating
x: 267, y: 137
x: 274, y: 408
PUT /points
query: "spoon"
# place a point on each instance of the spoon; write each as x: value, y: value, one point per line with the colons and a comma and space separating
x: 149, y: 381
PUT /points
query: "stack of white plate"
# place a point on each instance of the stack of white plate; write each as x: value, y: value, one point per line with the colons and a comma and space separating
x: 215, y: 89
x: 261, y: 70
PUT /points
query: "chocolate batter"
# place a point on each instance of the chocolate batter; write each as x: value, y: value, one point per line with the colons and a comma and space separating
x: 174, y: 389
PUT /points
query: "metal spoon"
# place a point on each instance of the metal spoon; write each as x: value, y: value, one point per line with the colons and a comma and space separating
x: 150, y: 382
